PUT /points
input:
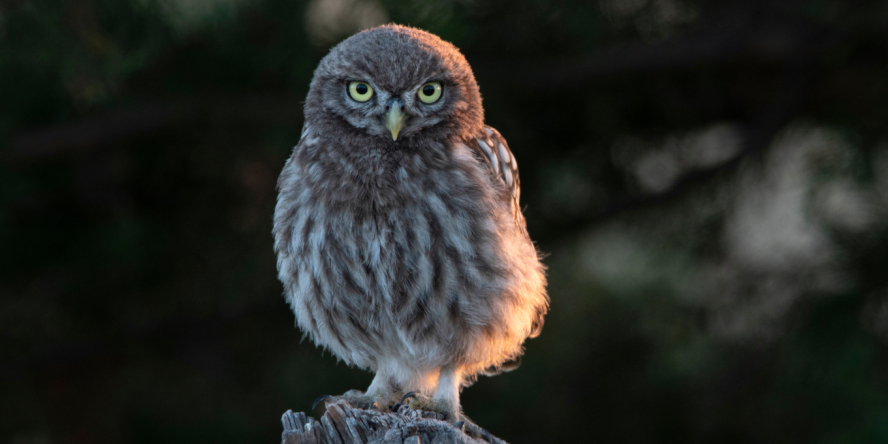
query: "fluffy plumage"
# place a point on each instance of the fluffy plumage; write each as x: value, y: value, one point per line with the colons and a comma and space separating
x: 406, y: 257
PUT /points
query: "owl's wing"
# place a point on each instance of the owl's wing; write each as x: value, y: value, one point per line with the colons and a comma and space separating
x: 494, y: 149
x: 502, y: 163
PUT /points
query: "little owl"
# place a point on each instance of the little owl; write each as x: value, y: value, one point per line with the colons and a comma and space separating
x: 399, y: 239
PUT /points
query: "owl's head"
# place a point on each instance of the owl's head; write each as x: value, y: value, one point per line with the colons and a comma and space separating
x: 395, y: 83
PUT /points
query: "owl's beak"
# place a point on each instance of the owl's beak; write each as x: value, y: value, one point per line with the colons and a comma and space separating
x: 394, y: 120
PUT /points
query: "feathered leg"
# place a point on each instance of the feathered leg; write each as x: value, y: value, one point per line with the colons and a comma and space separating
x: 447, y: 393
x: 444, y: 400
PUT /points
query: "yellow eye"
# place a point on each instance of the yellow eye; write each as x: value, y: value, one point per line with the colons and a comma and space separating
x: 430, y: 92
x: 360, y: 91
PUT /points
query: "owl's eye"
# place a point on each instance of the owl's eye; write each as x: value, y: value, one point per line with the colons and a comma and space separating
x: 430, y: 92
x: 360, y: 91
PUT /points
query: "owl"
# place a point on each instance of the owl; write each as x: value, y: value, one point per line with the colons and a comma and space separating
x: 400, y: 242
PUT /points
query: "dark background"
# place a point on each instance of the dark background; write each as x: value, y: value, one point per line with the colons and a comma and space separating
x: 709, y: 178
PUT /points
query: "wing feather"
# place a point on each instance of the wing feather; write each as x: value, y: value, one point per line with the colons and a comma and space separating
x: 502, y: 164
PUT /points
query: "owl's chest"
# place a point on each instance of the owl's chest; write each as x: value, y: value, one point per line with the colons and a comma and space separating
x: 398, y: 225
x: 393, y: 243
x: 401, y: 219
x: 387, y: 214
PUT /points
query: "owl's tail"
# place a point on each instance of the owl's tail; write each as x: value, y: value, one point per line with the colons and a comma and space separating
x: 504, y: 367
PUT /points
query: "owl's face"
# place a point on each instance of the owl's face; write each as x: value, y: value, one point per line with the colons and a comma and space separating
x: 395, y: 83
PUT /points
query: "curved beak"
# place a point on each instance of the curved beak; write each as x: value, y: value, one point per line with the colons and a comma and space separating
x: 394, y: 120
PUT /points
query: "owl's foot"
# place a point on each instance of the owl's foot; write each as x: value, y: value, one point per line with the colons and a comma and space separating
x: 356, y: 399
x: 444, y: 411
x: 418, y: 401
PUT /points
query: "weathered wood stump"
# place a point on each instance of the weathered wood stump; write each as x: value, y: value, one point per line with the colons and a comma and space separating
x: 344, y: 424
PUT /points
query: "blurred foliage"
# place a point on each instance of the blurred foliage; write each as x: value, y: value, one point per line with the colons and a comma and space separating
x: 710, y: 180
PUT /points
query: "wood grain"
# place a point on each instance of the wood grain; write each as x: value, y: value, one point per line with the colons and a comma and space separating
x: 344, y: 424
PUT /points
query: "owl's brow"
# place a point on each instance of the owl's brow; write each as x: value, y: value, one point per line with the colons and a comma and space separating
x: 353, y: 76
x: 440, y: 77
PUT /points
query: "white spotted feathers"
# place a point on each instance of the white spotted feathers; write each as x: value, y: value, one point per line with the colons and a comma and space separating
x: 501, y: 161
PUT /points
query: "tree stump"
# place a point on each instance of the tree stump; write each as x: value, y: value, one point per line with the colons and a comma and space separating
x: 344, y: 424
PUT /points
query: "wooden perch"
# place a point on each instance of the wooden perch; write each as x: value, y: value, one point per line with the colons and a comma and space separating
x: 344, y: 424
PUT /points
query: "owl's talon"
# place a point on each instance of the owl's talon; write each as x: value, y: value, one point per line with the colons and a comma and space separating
x: 408, y: 395
x: 417, y: 401
x: 317, y: 401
